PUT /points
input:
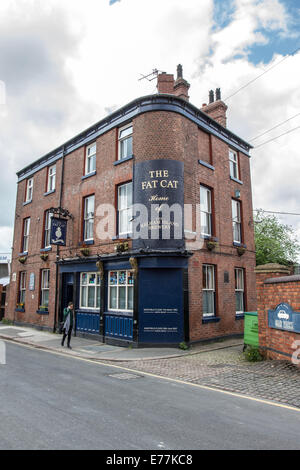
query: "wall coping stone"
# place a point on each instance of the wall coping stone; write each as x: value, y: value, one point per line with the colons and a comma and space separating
x: 272, y: 268
x: 275, y: 280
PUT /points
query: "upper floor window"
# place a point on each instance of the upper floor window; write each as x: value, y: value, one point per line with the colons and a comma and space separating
x: 22, y: 288
x: 47, y: 232
x: 90, y: 159
x: 239, y: 290
x: 51, y: 178
x: 236, y: 221
x: 45, y: 278
x: 26, y: 230
x: 125, y: 142
x: 208, y: 290
x: 88, y: 222
x: 234, y: 164
x: 125, y: 209
x: 206, y: 211
x: 29, y: 190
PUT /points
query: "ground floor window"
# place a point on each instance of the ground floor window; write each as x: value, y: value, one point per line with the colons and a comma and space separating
x: 45, y: 276
x: 120, y: 290
x: 90, y: 291
x: 239, y: 290
x: 208, y: 290
x: 22, y: 289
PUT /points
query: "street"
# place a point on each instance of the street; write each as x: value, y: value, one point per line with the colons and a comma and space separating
x: 51, y: 401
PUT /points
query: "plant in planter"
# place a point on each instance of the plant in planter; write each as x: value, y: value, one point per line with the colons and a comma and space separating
x: 241, y: 250
x: 44, y: 256
x: 85, y: 251
x: 20, y: 306
x: 212, y: 243
x: 121, y: 247
x: 22, y: 259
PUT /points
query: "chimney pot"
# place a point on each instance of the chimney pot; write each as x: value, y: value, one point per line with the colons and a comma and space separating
x: 211, y: 98
x: 218, y: 93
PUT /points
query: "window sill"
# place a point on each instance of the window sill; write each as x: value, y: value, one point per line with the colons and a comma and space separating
x: 124, y: 236
x: 93, y: 173
x: 210, y: 319
x: 27, y: 202
x: 207, y: 165
x: 25, y: 253
x: 43, y: 250
x: 239, y: 316
x: 119, y: 313
x: 123, y: 160
x: 42, y: 312
x: 19, y: 309
x: 49, y: 192
x: 236, y: 180
x: 86, y: 242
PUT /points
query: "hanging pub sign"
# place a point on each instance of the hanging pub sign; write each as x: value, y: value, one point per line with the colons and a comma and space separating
x: 284, y: 318
x: 58, y: 231
x: 158, y: 197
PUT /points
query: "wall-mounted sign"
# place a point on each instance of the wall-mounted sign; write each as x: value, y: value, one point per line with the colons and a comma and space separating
x: 58, y: 231
x: 31, y: 281
x: 158, y: 220
x: 284, y: 318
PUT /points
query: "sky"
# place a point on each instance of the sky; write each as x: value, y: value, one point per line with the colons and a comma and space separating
x: 66, y: 64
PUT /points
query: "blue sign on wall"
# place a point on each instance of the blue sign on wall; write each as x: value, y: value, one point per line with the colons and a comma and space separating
x: 58, y: 231
x: 284, y: 318
x: 161, y: 306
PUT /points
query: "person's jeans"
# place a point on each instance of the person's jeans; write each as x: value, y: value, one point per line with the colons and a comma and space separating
x: 65, y: 335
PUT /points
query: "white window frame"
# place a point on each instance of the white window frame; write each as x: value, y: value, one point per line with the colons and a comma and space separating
x: 122, y: 139
x: 45, y: 285
x: 117, y: 286
x: 96, y: 285
x: 90, y: 158
x: 125, y: 208
x: 236, y: 220
x: 88, y: 217
x: 234, y: 164
x: 22, y: 287
x: 239, y: 287
x: 210, y: 287
x: 206, y: 210
x: 47, y: 231
x: 51, y: 178
x: 26, y: 231
x: 29, y: 189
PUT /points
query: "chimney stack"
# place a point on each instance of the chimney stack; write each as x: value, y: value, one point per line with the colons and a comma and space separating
x: 216, y: 109
x: 166, y: 84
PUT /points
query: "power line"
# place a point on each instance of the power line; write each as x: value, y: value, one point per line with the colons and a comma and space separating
x: 278, y: 125
x: 274, y: 138
x: 266, y: 71
x: 275, y: 212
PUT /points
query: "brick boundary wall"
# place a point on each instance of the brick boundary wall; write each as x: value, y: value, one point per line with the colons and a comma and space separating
x: 275, y: 285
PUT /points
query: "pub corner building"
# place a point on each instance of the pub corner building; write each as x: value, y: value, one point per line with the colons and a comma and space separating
x: 158, y: 151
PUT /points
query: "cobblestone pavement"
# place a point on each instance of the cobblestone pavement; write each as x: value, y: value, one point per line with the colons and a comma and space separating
x: 227, y: 369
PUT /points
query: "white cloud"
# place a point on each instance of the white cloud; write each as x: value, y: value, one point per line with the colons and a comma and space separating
x: 81, y: 60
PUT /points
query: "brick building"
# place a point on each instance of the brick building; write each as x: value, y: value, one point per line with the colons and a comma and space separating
x: 192, y: 286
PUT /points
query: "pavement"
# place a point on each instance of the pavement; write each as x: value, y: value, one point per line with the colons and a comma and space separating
x: 94, y: 350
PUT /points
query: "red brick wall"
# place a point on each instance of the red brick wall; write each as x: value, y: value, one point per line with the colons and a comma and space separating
x: 156, y: 135
x: 276, y: 344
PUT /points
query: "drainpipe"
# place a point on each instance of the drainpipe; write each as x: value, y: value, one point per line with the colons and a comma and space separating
x: 57, y: 247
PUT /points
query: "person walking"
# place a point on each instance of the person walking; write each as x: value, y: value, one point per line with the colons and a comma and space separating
x: 68, y: 324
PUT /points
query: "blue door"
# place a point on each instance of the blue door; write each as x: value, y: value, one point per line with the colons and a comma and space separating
x: 161, y: 305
